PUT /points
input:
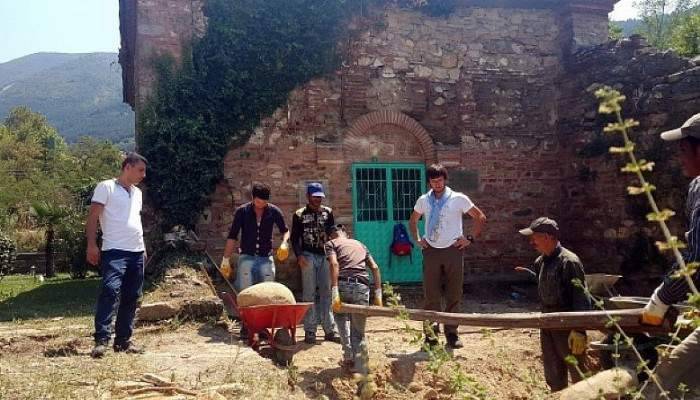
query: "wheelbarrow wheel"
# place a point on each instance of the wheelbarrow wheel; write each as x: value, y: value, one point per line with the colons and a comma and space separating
x: 284, y: 344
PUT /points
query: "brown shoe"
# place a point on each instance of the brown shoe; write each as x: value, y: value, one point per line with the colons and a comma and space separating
x: 128, y: 347
x: 99, y: 350
x: 347, y: 366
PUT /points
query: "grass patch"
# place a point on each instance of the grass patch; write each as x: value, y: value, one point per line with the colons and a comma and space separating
x: 23, y: 297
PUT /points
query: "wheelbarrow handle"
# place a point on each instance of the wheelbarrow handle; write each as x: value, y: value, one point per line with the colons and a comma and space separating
x: 216, y: 267
x: 528, y: 270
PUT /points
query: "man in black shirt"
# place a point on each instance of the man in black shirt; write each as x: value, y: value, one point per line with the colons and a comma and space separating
x: 310, y: 227
x: 254, y: 222
x: 558, y: 267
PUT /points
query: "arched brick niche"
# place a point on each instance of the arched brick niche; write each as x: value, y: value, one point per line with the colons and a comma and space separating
x: 389, y: 135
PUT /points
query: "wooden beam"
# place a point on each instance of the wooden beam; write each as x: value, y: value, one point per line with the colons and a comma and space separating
x: 583, y: 320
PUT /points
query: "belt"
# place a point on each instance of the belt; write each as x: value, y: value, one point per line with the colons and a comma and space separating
x: 316, y: 251
x: 354, y: 279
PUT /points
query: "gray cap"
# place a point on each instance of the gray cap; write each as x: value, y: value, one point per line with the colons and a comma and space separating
x: 541, y: 225
x: 691, y: 127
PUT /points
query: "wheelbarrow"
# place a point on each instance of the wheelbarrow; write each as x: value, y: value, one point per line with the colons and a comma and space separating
x: 273, y: 325
x: 602, y: 284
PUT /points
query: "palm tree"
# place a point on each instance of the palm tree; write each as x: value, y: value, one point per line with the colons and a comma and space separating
x: 49, y: 216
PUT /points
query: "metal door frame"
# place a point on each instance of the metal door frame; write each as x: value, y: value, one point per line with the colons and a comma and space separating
x: 387, y: 166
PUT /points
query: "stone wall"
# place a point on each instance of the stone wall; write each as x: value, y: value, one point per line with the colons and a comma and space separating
x: 149, y: 29
x: 25, y: 261
x: 475, y: 91
x: 608, y: 228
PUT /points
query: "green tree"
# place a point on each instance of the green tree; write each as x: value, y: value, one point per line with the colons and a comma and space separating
x: 49, y: 216
x: 7, y: 255
x: 46, y: 185
x: 32, y: 158
x: 90, y: 161
x: 614, y: 31
x: 659, y: 17
x: 685, y: 36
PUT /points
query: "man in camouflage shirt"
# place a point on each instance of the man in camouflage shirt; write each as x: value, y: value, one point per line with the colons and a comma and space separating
x: 557, y: 268
x: 310, y: 227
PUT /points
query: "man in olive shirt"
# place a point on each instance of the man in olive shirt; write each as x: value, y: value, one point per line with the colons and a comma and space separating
x: 558, y: 267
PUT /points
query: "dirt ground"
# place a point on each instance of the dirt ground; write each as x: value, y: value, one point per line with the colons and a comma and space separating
x: 50, y: 359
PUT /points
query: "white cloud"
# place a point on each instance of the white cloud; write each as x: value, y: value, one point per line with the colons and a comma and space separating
x: 624, y: 9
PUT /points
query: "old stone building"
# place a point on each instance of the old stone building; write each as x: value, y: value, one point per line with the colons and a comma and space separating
x: 496, y: 91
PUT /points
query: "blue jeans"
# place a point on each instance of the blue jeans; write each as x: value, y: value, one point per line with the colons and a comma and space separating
x: 316, y: 279
x: 351, y: 327
x: 122, y: 282
x: 254, y: 269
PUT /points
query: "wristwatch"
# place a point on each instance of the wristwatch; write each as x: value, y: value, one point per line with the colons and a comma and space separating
x: 470, y: 238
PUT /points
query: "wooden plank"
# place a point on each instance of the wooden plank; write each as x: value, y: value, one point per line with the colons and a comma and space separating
x: 583, y: 320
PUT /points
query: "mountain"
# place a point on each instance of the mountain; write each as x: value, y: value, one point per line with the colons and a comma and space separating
x: 80, y: 94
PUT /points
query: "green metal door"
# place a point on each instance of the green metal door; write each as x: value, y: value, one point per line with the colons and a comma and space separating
x: 383, y: 195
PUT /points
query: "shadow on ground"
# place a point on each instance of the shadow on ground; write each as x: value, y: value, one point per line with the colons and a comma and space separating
x: 59, y: 297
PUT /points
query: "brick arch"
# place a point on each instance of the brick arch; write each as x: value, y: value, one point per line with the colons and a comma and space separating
x: 364, y: 125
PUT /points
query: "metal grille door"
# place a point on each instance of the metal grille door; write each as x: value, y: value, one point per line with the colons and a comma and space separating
x: 406, y: 187
x: 383, y: 195
x: 371, y: 194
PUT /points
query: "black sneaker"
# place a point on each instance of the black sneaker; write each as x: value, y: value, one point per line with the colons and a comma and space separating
x: 99, y: 350
x: 430, y: 343
x: 128, y: 347
x: 453, y: 341
x: 309, y: 338
x: 243, y: 333
x: 332, y: 337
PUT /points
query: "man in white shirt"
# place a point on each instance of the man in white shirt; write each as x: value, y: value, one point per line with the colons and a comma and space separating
x: 116, y: 204
x: 443, y: 245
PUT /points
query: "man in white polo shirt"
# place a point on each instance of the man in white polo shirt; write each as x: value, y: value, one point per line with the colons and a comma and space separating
x: 116, y: 204
x: 443, y: 245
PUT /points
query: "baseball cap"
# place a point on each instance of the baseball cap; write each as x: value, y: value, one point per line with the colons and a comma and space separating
x: 691, y: 127
x: 542, y: 225
x: 315, y: 189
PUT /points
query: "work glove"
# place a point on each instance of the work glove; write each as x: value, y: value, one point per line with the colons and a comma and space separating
x: 378, y: 298
x: 335, y: 299
x: 655, y: 310
x: 283, y: 251
x: 225, y: 268
x: 577, y: 342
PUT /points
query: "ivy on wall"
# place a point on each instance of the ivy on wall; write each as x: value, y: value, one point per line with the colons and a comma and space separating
x: 251, y: 56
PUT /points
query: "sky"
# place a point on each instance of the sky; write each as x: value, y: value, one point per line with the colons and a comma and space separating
x: 85, y: 26
x: 624, y: 10
x: 64, y: 26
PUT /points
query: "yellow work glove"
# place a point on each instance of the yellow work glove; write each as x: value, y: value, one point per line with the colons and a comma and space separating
x: 577, y: 342
x: 655, y: 310
x: 335, y: 299
x: 378, y: 298
x: 225, y: 268
x: 283, y: 251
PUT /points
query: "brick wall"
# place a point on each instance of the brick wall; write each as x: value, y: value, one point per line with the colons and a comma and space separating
x: 476, y: 90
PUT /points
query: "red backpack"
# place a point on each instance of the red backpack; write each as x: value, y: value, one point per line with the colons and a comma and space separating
x: 401, y: 244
